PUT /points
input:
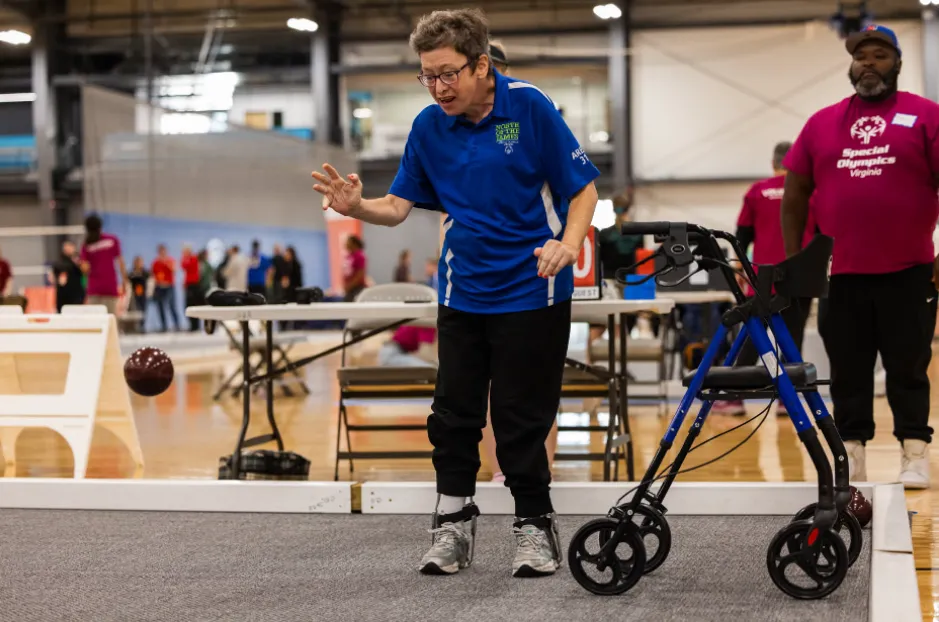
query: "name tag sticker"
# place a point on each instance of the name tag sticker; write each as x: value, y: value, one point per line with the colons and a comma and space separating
x: 906, y: 120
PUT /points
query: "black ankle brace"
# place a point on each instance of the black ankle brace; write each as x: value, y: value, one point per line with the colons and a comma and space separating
x: 469, y: 512
x: 542, y: 522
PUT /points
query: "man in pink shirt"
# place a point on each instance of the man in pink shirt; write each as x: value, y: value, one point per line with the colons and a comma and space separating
x: 872, y: 161
x: 98, y: 254
x: 759, y: 224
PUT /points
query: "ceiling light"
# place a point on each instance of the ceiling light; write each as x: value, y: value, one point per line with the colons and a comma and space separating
x: 12, y: 98
x: 362, y: 113
x: 15, y: 37
x: 303, y: 24
x: 607, y: 11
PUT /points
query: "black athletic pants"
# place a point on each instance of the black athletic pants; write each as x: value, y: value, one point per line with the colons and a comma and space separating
x: 893, y: 314
x: 795, y: 317
x: 514, y: 362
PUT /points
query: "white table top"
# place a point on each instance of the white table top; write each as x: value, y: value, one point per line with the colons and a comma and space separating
x: 582, y: 311
x: 699, y: 297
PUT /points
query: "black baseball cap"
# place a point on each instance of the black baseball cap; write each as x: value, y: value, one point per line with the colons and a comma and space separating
x: 497, y: 54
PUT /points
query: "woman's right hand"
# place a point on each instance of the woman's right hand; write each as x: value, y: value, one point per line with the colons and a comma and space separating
x: 342, y: 196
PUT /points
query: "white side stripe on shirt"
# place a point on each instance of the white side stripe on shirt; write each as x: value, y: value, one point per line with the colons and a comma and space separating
x: 554, y: 223
x: 446, y: 296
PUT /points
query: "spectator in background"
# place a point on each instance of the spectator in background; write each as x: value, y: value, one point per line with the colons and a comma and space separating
x: 191, y: 273
x: 236, y: 270
x: 220, y: 271
x: 403, y: 269
x: 430, y: 272
x: 6, y: 277
x: 67, y: 276
x: 498, y: 57
x: 355, y: 268
x: 404, y: 349
x: 257, y: 271
x: 278, y: 271
x: 99, y: 253
x: 291, y: 281
x: 139, y: 276
x: 164, y: 290
x: 206, y: 274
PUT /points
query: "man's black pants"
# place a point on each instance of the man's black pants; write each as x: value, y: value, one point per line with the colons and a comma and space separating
x: 514, y: 362
x: 795, y: 317
x: 893, y: 314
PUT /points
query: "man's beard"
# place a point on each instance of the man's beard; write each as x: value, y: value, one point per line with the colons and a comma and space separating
x: 885, y: 87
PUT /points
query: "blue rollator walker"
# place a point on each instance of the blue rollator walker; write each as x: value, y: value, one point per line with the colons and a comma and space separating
x: 808, y: 558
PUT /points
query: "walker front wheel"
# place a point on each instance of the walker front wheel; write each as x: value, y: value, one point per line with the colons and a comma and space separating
x: 607, y: 571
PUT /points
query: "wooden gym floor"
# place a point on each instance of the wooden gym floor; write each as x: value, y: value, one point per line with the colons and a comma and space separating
x: 183, y: 433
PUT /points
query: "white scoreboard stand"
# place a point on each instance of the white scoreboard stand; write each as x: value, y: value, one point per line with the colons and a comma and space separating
x: 64, y: 372
x: 588, y: 281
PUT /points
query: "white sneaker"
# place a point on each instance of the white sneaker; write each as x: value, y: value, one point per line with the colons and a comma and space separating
x: 538, y: 546
x: 857, y: 461
x: 914, y: 465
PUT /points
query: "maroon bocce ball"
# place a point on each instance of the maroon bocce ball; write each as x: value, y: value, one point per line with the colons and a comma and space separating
x: 860, y: 507
x: 148, y: 372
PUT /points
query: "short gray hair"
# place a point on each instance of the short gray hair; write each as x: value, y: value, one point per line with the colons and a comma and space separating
x: 779, y: 153
x: 465, y: 30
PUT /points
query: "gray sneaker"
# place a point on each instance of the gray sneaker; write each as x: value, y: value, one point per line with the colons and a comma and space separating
x: 454, y: 537
x: 538, y: 543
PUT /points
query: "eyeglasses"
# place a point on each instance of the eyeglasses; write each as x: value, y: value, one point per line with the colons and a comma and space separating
x: 447, y: 77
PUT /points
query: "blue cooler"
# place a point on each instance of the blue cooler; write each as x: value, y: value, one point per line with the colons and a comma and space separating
x: 635, y: 290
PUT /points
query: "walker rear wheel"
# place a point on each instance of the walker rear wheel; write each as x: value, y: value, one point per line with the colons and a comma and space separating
x: 847, y: 526
x: 805, y: 562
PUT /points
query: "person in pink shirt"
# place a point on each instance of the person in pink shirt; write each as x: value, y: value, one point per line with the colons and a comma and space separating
x: 99, y: 253
x: 401, y: 350
x: 355, y: 269
x: 872, y: 162
x: 759, y: 224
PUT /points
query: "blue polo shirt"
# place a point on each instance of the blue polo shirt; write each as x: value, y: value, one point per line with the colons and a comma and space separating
x: 257, y: 272
x: 505, y: 185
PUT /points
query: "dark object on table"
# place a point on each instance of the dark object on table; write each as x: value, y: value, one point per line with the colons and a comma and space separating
x: 267, y: 464
x: 309, y: 295
x: 860, y: 507
x: 225, y: 298
x: 148, y: 372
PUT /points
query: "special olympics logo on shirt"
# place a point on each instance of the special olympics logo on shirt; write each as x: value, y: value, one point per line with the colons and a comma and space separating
x: 866, y: 128
x: 507, y: 136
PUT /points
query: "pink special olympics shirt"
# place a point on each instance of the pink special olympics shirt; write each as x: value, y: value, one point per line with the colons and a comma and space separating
x: 875, y: 193
x: 762, y: 210
x: 102, y: 275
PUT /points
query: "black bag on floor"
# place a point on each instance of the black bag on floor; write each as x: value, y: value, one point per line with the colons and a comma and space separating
x: 267, y: 464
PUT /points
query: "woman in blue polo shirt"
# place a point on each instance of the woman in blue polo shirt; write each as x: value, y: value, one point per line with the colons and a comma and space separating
x: 495, y: 155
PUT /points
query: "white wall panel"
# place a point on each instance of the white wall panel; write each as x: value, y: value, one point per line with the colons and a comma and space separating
x: 296, y: 104
x: 711, y: 103
x: 712, y: 205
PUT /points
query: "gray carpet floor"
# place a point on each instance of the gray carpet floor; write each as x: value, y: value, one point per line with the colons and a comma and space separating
x: 190, y: 567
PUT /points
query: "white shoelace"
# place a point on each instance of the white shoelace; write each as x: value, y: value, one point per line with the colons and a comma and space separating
x: 448, y: 533
x: 530, y: 542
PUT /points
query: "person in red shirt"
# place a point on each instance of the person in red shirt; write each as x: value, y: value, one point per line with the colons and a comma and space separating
x: 6, y: 278
x: 194, y: 294
x: 759, y: 224
x: 872, y: 162
x: 164, y: 290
